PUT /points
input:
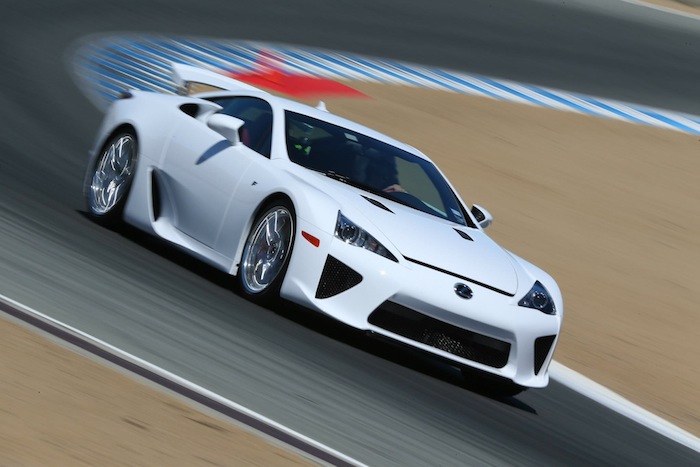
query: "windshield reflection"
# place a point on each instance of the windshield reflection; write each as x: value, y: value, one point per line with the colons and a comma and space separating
x: 371, y: 165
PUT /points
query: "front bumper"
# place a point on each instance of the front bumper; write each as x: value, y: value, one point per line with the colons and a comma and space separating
x: 417, y: 305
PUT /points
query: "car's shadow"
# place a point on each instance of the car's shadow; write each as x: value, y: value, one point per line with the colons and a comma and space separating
x: 395, y: 352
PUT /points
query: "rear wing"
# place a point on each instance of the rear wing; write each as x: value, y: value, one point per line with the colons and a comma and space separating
x: 193, y: 80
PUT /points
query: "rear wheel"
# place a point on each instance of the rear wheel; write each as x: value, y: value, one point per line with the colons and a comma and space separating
x: 266, y: 252
x: 111, y: 178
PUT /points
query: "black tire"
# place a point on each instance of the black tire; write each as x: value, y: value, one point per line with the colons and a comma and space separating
x: 490, y: 385
x: 266, y: 253
x: 108, y: 181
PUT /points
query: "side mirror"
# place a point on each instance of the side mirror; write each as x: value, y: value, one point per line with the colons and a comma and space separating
x: 227, y: 126
x: 482, y: 216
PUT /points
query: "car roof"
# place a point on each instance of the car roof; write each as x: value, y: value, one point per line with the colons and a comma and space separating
x: 281, y: 104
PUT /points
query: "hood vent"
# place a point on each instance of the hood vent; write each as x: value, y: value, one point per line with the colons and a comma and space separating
x: 378, y: 204
x: 464, y: 235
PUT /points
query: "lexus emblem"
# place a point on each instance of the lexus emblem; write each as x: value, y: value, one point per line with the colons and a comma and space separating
x: 463, y: 291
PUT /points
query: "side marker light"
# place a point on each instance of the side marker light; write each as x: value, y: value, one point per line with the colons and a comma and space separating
x: 311, y: 239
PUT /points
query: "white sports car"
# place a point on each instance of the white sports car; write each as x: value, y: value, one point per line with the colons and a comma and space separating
x: 300, y: 203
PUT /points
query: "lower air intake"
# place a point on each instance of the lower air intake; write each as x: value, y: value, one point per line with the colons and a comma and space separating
x: 542, y: 346
x: 435, y: 333
x: 336, y: 277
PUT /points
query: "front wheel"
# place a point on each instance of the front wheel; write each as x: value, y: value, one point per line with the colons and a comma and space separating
x: 266, y: 252
x: 111, y: 177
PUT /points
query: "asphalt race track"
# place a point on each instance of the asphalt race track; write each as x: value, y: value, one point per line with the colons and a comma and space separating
x: 361, y: 397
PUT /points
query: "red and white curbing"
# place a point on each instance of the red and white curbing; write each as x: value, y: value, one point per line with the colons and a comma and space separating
x: 107, y: 65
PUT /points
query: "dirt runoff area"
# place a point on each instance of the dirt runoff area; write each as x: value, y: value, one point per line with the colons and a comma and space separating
x: 610, y: 209
x: 62, y: 408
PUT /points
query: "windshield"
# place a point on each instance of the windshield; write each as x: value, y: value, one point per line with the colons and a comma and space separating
x: 372, y: 165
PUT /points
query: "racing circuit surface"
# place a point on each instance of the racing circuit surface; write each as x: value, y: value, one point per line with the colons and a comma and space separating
x: 305, y: 371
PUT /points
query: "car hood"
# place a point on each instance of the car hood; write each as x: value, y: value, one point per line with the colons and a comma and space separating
x: 428, y: 240
x: 453, y: 249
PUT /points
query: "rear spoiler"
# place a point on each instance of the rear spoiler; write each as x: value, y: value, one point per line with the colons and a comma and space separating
x: 186, y: 75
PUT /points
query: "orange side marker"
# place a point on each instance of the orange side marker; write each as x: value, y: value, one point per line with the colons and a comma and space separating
x: 311, y: 239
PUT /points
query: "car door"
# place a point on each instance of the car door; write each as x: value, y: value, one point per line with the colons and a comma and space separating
x: 204, y: 168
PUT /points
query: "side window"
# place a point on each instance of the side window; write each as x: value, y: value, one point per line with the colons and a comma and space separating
x: 256, y: 133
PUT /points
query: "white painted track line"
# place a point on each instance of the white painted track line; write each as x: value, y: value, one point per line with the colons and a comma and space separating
x: 340, y: 458
x: 619, y: 404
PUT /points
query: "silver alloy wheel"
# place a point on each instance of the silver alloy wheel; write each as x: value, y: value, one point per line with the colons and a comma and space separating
x: 112, y: 175
x: 267, y: 249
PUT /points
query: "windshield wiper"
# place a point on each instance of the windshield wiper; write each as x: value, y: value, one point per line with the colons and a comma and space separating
x: 349, y: 181
x: 336, y: 176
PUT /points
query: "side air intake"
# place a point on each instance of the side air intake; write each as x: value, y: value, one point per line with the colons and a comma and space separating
x: 336, y: 278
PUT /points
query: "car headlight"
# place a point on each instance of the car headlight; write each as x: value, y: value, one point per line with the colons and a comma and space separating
x: 352, y: 234
x: 539, y: 299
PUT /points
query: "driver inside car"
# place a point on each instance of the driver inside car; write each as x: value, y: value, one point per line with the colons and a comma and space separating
x: 381, y: 172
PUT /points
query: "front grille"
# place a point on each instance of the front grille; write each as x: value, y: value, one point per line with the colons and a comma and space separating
x: 435, y: 333
x: 542, y: 346
x: 336, y: 277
